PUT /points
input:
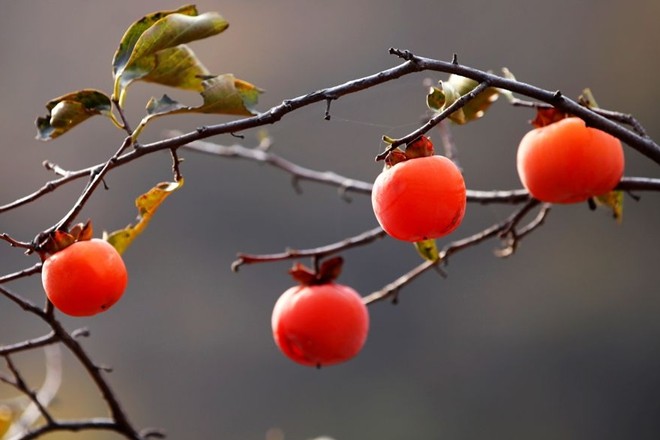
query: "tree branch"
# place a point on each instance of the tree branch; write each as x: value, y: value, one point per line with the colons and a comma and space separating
x: 319, y: 252
x: 391, y: 290
x: 30, y: 344
x: 643, y: 144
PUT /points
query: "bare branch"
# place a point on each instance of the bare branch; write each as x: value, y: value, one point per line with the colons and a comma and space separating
x: 644, y: 145
x: 97, y: 179
x: 301, y: 173
x: 319, y: 252
x: 22, y: 302
x: 30, y: 344
x: 21, y: 274
x: 392, y: 289
x: 20, y: 384
x: 95, y: 424
x: 15, y: 243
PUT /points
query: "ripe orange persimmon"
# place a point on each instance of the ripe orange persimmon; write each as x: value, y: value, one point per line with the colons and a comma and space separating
x: 419, y: 198
x: 568, y: 162
x: 85, y: 278
x: 320, y: 324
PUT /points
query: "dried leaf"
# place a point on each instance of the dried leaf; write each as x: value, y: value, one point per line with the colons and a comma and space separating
x: 448, y: 92
x: 175, y: 67
x: 227, y: 95
x: 147, y: 205
x: 67, y: 111
x: 223, y: 94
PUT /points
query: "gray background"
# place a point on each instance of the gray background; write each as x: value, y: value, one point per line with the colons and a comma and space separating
x: 560, y: 341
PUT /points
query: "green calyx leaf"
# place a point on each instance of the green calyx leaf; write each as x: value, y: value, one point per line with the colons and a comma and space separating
x: 153, y: 49
x: 147, y: 205
x: 428, y: 249
x: 69, y: 110
x: 448, y: 92
x: 613, y: 201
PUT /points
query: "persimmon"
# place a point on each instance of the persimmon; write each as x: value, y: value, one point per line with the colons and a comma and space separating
x: 568, y: 162
x: 319, y: 322
x: 419, y: 197
x: 85, y: 278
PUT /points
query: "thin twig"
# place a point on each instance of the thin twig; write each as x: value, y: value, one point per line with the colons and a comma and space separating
x: 21, y: 274
x: 392, y: 289
x: 30, y: 344
x: 435, y: 120
x: 319, y: 252
x: 20, y: 384
x: 97, y: 178
x: 15, y: 243
x: 50, y: 166
x: 121, y: 421
x: 23, y: 303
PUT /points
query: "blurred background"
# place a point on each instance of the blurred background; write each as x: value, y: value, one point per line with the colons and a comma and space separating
x: 562, y: 340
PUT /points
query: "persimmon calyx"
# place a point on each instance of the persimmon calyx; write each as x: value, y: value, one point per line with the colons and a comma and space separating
x: 327, y: 272
x: 547, y: 116
x: 58, y: 240
x: 420, y: 147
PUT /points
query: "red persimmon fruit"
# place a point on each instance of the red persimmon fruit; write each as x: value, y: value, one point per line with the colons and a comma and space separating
x: 568, y: 162
x: 419, y: 198
x: 85, y: 278
x: 320, y: 324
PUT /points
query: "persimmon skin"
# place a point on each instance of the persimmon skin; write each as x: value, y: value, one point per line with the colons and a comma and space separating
x: 419, y: 199
x: 320, y: 325
x: 568, y: 162
x: 85, y: 278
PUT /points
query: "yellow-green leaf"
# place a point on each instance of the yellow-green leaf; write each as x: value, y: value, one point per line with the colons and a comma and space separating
x: 612, y: 200
x: 223, y: 94
x: 451, y: 90
x: 164, y: 105
x: 67, y: 111
x: 587, y: 99
x: 135, y: 31
x: 147, y: 205
x: 428, y: 249
x: 227, y: 95
x: 175, y: 67
x: 135, y: 58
